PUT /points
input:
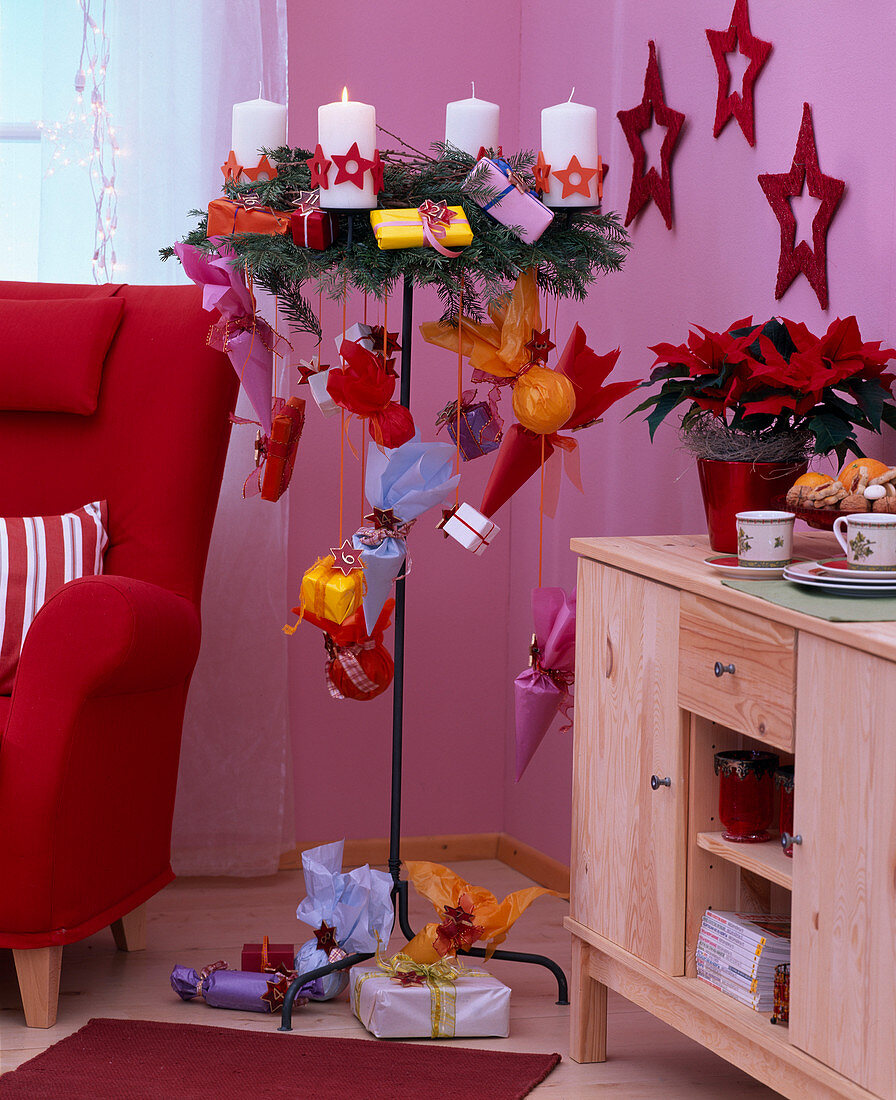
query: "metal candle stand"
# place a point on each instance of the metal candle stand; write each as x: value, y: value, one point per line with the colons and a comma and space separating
x: 399, y: 885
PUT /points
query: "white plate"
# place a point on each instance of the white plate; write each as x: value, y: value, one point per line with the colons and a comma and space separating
x: 815, y: 572
x: 727, y: 563
x: 836, y: 567
x: 833, y: 587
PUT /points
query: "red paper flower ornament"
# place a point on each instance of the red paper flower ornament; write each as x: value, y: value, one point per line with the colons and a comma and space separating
x: 320, y: 168
x: 352, y: 166
x: 738, y: 38
x: 779, y: 189
x: 651, y: 184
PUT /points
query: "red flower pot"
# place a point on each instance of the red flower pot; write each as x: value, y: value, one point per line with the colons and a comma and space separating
x: 732, y: 487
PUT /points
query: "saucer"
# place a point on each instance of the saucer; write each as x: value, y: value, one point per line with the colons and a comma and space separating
x: 840, y: 567
x: 727, y: 563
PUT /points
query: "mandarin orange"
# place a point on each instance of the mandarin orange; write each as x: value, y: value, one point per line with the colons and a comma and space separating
x: 850, y: 472
x: 812, y: 480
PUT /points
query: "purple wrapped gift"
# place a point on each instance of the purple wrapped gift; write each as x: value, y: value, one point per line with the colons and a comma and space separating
x: 220, y: 987
x: 513, y: 204
x: 481, y: 426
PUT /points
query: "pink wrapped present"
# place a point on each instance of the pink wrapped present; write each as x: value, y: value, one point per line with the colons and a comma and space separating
x: 512, y: 203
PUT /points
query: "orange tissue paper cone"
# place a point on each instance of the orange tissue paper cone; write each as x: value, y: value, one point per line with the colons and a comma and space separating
x: 422, y: 947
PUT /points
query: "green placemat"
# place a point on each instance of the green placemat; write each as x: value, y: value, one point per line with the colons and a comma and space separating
x: 836, y: 609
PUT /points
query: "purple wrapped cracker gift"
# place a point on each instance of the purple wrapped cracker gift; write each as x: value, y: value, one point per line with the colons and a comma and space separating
x: 481, y: 426
x: 512, y: 203
x: 244, y: 990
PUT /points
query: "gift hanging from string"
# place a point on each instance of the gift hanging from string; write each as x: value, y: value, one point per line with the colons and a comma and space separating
x: 543, y: 689
x: 349, y: 912
x: 475, y: 426
x: 400, y: 485
x: 506, y: 351
x: 522, y: 452
x: 332, y: 588
x: 466, y: 913
x: 364, y: 385
x: 358, y: 664
x: 275, y: 454
x: 248, y: 340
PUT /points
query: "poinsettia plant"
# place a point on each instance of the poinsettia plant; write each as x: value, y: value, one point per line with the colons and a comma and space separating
x: 777, y: 378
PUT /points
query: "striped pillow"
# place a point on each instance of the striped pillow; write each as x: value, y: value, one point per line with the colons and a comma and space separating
x: 38, y: 554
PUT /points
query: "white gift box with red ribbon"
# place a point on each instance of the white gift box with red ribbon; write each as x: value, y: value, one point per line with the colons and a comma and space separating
x: 317, y: 383
x: 358, y: 334
x: 469, y: 527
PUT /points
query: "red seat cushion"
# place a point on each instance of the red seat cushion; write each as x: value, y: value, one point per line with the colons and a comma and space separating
x: 53, y: 352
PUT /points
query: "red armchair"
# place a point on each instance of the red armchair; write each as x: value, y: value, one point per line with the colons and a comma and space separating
x: 90, y: 736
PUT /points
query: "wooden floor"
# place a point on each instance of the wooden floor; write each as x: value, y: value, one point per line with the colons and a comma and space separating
x: 196, y: 921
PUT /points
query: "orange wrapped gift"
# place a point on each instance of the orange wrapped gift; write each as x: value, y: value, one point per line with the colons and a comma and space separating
x: 286, y: 430
x: 245, y: 215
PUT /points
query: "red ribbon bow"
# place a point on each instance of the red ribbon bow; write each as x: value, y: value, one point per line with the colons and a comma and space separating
x: 436, y: 217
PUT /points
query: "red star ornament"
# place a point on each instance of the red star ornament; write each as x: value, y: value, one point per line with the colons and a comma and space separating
x: 346, y: 559
x: 232, y: 168
x: 326, y: 937
x: 355, y: 175
x: 566, y: 175
x: 739, y: 38
x: 376, y: 172
x: 541, y: 172
x: 652, y: 184
x: 320, y: 168
x: 263, y: 168
x: 779, y: 189
x: 540, y: 346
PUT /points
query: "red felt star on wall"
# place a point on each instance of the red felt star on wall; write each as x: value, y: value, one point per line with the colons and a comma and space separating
x: 576, y: 180
x: 542, y: 172
x: 346, y: 558
x: 738, y: 38
x: 232, y: 168
x: 779, y: 189
x: 352, y: 166
x: 376, y: 172
x: 320, y: 168
x: 540, y: 346
x: 263, y: 168
x: 652, y: 184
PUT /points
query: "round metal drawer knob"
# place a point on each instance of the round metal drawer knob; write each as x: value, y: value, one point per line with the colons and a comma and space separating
x: 787, y: 839
x: 719, y: 669
x: 656, y: 782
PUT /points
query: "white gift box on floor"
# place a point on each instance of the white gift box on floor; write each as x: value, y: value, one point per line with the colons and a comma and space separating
x: 470, y: 528
x: 317, y: 383
x: 358, y: 334
x: 476, y: 1005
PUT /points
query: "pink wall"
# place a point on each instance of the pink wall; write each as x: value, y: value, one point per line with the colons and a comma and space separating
x: 718, y: 263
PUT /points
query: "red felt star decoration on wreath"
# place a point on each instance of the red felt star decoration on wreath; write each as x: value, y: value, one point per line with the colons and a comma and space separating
x: 542, y: 172
x: 354, y: 175
x: 741, y: 39
x: 652, y: 184
x: 232, y: 168
x: 583, y: 177
x: 779, y: 189
x: 264, y: 167
x: 320, y: 168
x: 376, y: 172
x: 540, y: 346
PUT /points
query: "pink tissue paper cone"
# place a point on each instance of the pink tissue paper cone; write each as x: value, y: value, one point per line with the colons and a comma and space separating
x: 538, y: 696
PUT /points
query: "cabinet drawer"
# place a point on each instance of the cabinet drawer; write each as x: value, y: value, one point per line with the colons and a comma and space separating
x: 757, y: 698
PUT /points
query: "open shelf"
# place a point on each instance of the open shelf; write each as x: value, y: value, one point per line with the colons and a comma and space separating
x: 767, y: 860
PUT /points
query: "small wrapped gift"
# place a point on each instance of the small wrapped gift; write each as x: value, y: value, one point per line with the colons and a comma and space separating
x: 280, y: 449
x: 481, y: 426
x: 432, y: 223
x: 359, y: 666
x: 317, y: 376
x: 364, y: 385
x: 329, y: 592
x: 266, y: 956
x: 311, y: 226
x: 468, y: 527
x: 511, y: 202
x: 358, y: 334
x: 401, y: 999
x: 243, y: 990
x: 245, y: 215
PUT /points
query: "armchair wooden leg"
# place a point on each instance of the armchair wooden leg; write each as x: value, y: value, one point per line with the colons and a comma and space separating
x: 38, y: 971
x: 130, y: 930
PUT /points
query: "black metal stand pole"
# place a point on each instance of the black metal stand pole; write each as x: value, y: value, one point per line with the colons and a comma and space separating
x: 400, y: 885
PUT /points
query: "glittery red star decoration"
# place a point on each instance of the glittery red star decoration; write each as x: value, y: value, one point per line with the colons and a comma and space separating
x: 407, y: 977
x: 379, y: 336
x: 376, y: 172
x: 232, y: 168
x: 779, y: 189
x: 541, y: 172
x: 652, y: 184
x: 263, y: 168
x: 320, y: 168
x: 738, y: 38
x: 346, y: 558
x: 576, y: 180
x: 278, y: 987
x: 540, y: 346
x: 347, y: 174
x: 383, y: 517
x: 307, y: 367
x: 326, y: 937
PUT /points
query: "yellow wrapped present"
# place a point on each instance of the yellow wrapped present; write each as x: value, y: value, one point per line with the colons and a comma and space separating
x: 432, y: 223
x: 329, y: 591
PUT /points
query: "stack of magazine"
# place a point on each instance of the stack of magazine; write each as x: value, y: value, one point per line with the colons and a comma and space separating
x: 737, y: 953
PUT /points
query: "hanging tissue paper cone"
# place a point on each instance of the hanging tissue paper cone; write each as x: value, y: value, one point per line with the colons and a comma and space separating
x: 244, y: 215
x: 512, y: 204
x: 481, y: 425
x: 517, y: 460
x: 543, y: 400
x: 433, y: 224
x: 400, y: 485
x: 317, y: 383
x: 466, y: 526
x: 311, y: 226
x: 328, y: 592
x: 364, y: 386
x: 433, y: 1007
x: 220, y: 987
x: 445, y: 889
x: 353, y: 908
x: 543, y: 688
x: 248, y: 340
x: 280, y: 457
x: 360, y: 667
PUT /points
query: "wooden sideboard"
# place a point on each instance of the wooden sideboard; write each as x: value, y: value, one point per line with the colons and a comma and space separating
x: 648, y: 860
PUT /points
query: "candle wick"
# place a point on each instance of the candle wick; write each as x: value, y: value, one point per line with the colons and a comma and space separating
x: 473, y: 86
x: 259, y: 89
x: 571, y: 94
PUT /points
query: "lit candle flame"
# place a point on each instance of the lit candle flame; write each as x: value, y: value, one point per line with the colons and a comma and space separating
x: 345, y: 95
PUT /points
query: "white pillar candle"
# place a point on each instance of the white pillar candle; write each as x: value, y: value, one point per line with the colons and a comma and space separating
x: 339, y: 127
x: 257, y: 123
x: 570, y: 130
x: 471, y: 124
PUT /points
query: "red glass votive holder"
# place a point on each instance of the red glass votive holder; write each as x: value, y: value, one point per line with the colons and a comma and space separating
x: 746, y: 793
x: 784, y: 783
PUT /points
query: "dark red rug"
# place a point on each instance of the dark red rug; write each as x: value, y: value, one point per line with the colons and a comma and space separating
x: 142, y: 1060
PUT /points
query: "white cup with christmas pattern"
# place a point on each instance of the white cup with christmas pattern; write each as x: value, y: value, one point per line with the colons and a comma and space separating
x: 765, y: 539
x: 868, y: 540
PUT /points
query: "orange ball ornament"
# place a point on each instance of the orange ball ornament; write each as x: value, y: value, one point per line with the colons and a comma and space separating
x: 543, y: 400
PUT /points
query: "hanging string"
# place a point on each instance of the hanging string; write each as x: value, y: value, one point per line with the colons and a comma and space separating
x: 276, y: 354
x: 556, y: 314
x: 541, y: 515
x: 342, y: 433
x: 460, y: 385
x: 365, y: 307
